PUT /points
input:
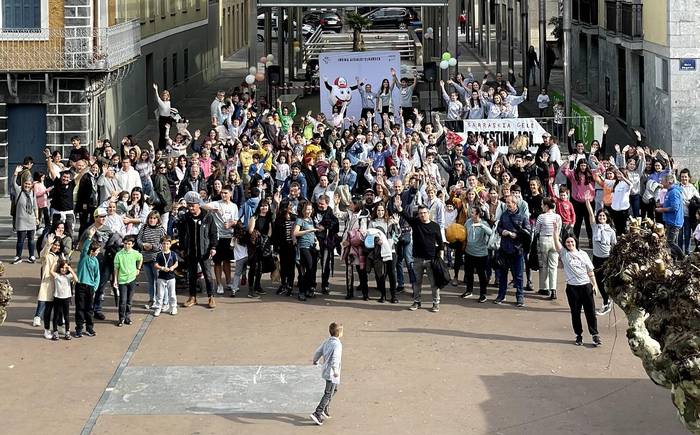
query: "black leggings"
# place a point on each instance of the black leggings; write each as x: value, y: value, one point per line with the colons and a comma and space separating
x: 48, y: 310
x: 61, y: 313
x: 254, y: 272
x: 479, y: 264
x: 598, y: 263
x: 390, y: 271
x: 620, y: 219
x: 308, y: 258
x: 581, y: 215
x: 162, y: 139
x: 287, y: 269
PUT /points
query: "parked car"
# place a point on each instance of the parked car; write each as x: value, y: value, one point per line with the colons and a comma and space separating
x: 392, y: 18
x: 306, y: 29
x: 327, y: 20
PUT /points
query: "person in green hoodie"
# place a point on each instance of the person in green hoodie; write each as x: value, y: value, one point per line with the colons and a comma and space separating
x: 286, y: 117
x: 88, y: 281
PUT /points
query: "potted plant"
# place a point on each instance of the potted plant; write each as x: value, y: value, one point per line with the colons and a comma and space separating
x: 5, y: 295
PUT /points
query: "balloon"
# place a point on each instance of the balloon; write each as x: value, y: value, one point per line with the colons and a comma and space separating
x: 452, y: 61
x: 263, y: 60
x: 259, y: 77
x: 456, y: 233
x: 270, y: 57
x: 429, y: 30
x: 252, y: 70
x: 446, y: 56
x: 250, y: 79
x: 444, y: 64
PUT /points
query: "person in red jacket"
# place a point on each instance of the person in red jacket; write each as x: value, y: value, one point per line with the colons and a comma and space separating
x: 564, y: 208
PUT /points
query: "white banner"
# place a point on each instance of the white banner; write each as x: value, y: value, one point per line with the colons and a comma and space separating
x: 508, y: 125
x: 338, y: 72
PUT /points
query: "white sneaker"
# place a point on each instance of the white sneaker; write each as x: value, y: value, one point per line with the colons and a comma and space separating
x: 47, y: 334
x: 37, y: 321
x: 156, y: 313
x: 173, y: 310
x: 17, y: 260
x: 165, y: 308
x: 219, y: 289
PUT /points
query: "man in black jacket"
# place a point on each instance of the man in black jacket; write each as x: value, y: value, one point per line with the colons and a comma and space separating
x: 428, y: 245
x: 88, y: 198
x: 198, y: 236
x: 192, y: 182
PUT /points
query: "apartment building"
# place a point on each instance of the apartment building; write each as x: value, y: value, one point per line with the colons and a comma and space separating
x: 636, y: 60
x: 86, y: 67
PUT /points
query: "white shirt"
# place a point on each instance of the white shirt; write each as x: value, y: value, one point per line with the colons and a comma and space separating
x: 621, y: 197
x: 576, y: 266
x: 215, y: 109
x: 128, y: 180
x: 224, y: 212
x: 62, y: 286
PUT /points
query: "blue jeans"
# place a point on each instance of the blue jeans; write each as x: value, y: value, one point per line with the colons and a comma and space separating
x: 404, y: 252
x: 635, y: 205
x: 40, y: 306
x: 151, y: 277
x: 685, y: 236
x: 29, y: 235
x: 514, y: 263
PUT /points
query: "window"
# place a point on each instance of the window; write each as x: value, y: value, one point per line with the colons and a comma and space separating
x: 662, y: 74
x: 101, y: 116
x: 186, y: 62
x: 21, y: 14
x: 174, y: 68
x: 165, y: 72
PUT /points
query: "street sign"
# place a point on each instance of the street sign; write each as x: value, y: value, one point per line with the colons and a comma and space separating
x: 687, y: 65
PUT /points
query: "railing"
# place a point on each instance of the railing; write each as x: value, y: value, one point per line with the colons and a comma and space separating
x: 395, y: 40
x: 68, y: 49
x: 582, y: 124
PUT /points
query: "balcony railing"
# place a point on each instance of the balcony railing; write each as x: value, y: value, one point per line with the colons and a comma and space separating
x: 70, y: 49
x: 624, y: 18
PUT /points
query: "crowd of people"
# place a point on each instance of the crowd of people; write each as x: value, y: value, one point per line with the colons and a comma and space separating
x: 393, y: 195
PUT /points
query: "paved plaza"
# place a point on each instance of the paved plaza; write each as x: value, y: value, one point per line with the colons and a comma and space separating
x: 245, y: 368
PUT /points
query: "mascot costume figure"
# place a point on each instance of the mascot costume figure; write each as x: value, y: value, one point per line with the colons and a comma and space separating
x: 339, y: 92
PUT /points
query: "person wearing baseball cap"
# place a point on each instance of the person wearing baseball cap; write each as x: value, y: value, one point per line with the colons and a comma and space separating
x: 198, y: 238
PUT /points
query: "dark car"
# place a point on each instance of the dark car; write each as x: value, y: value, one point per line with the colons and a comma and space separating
x: 392, y: 18
x: 327, y: 20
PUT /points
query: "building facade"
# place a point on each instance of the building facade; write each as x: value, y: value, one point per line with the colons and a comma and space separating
x: 636, y: 60
x: 86, y: 67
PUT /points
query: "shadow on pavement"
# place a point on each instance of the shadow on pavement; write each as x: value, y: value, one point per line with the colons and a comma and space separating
x: 532, y: 404
x: 476, y: 336
x: 250, y: 418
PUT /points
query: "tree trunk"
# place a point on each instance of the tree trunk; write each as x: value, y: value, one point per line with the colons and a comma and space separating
x: 356, y: 39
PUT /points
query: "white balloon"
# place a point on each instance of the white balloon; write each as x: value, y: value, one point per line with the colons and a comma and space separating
x: 252, y: 70
x: 444, y: 64
x: 452, y: 61
x: 429, y: 30
x: 250, y: 79
x: 270, y: 57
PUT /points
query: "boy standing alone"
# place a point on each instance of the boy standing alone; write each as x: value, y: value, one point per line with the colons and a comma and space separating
x: 331, y: 350
x: 127, y: 266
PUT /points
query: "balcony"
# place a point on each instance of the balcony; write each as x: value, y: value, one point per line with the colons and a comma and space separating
x: 585, y: 11
x: 624, y: 19
x: 70, y: 49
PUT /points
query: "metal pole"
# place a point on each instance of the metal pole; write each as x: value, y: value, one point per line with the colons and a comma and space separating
x: 300, y: 54
x: 525, y: 42
x: 566, y: 29
x: 280, y: 44
x: 499, y: 37
x: 268, y: 47
x: 543, y: 44
x: 511, y: 38
x: 488, y: 30
x: 252, y: 34
x: 290, y: 40
x: 452, y: 18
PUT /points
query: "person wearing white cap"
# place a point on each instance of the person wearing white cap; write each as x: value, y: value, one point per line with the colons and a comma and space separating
x: 198, y: 237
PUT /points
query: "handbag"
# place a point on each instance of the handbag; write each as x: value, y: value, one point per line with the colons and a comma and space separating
x: 441, y: 273
x: 533, y: 259
x: 495, y: 239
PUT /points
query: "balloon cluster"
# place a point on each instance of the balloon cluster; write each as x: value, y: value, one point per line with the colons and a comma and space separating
x: 447, y: 60
x: 258, y: 76
x: 429, y: 33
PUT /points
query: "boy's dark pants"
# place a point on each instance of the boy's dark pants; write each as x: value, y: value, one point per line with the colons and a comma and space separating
x: 325, y: 402
x: 126, y: 292
x: 83, y: 307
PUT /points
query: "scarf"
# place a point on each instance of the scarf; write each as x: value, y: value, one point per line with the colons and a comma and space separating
x: 28, y: 203
x: 598, y: 236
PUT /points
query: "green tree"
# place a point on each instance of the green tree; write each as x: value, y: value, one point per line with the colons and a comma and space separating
x: 358, y: 23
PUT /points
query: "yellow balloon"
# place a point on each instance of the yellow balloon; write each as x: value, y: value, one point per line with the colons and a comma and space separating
x: 456, y: 233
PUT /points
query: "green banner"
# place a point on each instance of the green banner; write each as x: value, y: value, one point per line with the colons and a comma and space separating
x: 581, y: 120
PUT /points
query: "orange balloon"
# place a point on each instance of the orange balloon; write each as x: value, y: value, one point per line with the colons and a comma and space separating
x: 260, y: 76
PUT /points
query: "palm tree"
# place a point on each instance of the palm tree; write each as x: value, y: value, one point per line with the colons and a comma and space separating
x: 358, y: 23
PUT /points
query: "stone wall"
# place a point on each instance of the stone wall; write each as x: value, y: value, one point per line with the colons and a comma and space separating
x: 68, y: 113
